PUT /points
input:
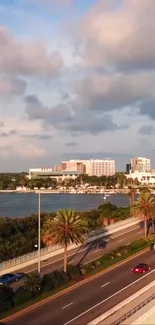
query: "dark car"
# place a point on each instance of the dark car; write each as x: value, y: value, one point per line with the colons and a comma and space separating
x: 141, y: 268
x: 10, y: 277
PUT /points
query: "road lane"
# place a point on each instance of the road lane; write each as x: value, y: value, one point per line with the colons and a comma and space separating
x: 89, y: 251
x: 93, y: 298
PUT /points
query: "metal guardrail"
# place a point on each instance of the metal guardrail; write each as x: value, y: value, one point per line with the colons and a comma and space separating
x: 50, y: 249
x: 134, y: 310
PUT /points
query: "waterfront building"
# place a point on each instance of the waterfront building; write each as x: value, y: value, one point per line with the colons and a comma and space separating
x: 140, y: 164
x: 60, y: 175
x: 73, y: 165
x: 144, y: 178
x: 92, y: 167
x: 128, y: 168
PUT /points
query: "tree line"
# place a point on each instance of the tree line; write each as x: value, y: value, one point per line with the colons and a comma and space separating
x: 18, y: 236
x: 11, y: 181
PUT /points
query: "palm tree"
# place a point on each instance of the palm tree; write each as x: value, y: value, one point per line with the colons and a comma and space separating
x: 129, y: 194
x: 65, y: 228
x: 32, y: 283
x: 144, y: 208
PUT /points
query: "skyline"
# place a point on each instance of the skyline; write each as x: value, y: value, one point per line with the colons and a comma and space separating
x: 77, y: 81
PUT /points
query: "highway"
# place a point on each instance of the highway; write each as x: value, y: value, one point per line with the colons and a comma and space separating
x: 91, y: 251
x: 85, y: 303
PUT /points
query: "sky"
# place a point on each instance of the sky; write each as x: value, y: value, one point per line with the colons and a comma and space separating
x: 77, y: 80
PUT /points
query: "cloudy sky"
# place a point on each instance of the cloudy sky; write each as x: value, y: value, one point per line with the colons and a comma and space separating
x: 77, y: 80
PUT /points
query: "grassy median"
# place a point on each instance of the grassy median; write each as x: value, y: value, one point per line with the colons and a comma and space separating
x: 56, y: 282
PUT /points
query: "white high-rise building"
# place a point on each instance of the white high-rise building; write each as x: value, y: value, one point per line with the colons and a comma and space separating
x: 140, y: 164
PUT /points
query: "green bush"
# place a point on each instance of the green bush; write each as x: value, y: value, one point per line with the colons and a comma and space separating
x: 73, y: 271
x: 21, y: 296
x: 54, y: 280
x: 137, y: 244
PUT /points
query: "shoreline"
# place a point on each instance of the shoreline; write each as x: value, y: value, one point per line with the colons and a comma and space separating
x: 105, y: 192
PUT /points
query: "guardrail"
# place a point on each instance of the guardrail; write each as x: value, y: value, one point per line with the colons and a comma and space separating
x: 133, y: 311
x: 44, y: 251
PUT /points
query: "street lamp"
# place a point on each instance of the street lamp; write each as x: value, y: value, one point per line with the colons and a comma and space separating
x: 39, y: 229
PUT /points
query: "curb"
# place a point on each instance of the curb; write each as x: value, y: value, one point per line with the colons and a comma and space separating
x: 72, y: 287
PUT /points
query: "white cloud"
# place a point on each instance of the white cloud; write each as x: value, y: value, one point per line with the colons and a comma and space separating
x: 11, y: 86
x: 119, y: 38
x: 29, y: 59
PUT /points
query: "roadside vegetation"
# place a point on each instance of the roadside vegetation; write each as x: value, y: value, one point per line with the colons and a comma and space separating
x: 18, y: 236
x: 36, y: 288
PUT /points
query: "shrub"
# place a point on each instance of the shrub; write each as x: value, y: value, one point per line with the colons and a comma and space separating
x: 21, y: 296
x: 73, y: 271
x: 137, y: 244
x: 54, y: 280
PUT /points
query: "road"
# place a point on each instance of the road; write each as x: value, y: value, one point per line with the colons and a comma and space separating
x: 91, y: 251
x: 92, y: 299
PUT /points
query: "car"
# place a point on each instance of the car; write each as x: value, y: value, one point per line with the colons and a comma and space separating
x: 141, y: 268
x: 10, y: 277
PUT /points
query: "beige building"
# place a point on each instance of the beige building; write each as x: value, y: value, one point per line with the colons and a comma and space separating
x: 77, y: 166
x: 92, y: 167
x: 140, y: 164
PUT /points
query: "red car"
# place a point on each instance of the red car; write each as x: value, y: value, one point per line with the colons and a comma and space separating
x: 141, y: 268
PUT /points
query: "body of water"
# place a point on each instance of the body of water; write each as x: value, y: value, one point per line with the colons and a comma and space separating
x: 24, y: 204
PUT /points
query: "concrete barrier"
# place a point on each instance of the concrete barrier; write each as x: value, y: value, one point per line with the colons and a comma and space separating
x: 113, y: 310
x: 48, y: 252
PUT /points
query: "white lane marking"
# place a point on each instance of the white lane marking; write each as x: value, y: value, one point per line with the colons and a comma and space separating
x: 119, y: 241
x: 125, y: 233
x: 97, y: 250
x: 115, y: 294
x: 72, y: 254
x: 128, y: 244
x: 105, y: 284
x: 71, y: 303
x: 139, y: 232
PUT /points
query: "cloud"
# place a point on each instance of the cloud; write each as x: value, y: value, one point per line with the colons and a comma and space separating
x: 113, y: 91
x: 78, y: 122
x: 52, y: 2
x: 8, y: 134
x: 71, y: 144
x: 147, y: 130
x: 11, y: 86
x: 148, y: 108
x: 37, y: 136
x: 31, y: 59
x: 121, y: 37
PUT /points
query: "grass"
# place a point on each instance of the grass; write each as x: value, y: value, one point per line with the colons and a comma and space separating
x: 105, y: 265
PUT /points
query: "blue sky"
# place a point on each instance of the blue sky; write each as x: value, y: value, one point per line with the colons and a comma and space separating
x: 74, y: 83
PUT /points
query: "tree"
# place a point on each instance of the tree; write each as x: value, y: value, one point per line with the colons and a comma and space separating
x: 65, y: 228
x: 6, y: 297
x: 32, y: 283
x: 144, y: 208
x: 129, y: 194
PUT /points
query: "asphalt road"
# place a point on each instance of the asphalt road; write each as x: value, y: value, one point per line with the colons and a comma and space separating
x: 91, y: 251
x: 92, y: 299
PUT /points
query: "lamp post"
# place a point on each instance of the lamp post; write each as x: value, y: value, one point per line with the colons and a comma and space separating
x: 39, y: 229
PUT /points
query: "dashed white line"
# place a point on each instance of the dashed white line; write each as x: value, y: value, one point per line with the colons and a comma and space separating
x: 105, y: 284
x: 108, y: 298
x: 119, y: 241
x: 71, y: 303
x: 139, y: 232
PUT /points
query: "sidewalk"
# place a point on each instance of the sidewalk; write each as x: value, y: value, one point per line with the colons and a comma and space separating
x: 128, y: 314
